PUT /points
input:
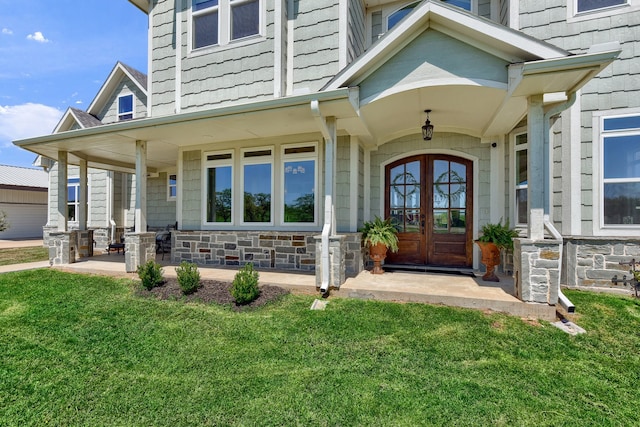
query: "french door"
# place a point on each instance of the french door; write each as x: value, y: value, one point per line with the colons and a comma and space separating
x: 430, y: 199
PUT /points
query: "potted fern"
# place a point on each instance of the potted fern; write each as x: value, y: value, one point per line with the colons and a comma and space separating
x: 379, y: 236
x: 494, y: 238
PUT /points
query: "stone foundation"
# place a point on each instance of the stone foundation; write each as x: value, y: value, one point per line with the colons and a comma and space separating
x: 85, y: 243
x: 337, y: 249
x: 278, y: 250
x: 591, y: 262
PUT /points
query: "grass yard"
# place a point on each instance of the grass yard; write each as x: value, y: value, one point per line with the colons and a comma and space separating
x: 22, y: 255
x: 85, y: 351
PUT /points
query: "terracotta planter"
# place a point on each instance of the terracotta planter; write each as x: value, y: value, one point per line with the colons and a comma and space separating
x: 490, y: 258
x: 377, y: 253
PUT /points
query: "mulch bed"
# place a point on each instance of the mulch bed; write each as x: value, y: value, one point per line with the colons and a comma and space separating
x: 212, y: 291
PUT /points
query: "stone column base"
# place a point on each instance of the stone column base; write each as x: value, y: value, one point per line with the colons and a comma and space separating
x: 536, y: 266
x: 139, y: 249
x: 85, y: 243
x: 63, y: 247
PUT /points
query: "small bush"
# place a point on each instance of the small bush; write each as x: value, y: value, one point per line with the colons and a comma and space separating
x: 188, y: 277
x: 4, y: 222
x: 245, y: 285
x: 150, y: 274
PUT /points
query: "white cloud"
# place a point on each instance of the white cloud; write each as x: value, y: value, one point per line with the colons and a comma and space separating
x: 7, y: 31
x: 38, y: 36
x: 26, y: 121
x: 78, y: 102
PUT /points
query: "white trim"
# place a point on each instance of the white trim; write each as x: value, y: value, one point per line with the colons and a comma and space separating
x: 575, y: 124
x: 354, y: 169
x: 367, y: 185
x: 574, y: 16
x: 261, y: 160
x: 291, y: 25
x: 279, y: 31
x: 599, y: 228
x: 497, y: 179
x: 343, y: 29
x: 179, y: 190
x: 178, y: 70
x: 148, y: 89
x: 514, y: 15
x: 513, y: 179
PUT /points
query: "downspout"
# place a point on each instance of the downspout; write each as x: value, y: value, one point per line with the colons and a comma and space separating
x: 328, y: 211
x: 564, y: 302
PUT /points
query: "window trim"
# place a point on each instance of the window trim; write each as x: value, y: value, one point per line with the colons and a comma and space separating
x: 514, y: 175
x: 171, y: 198
x: 206, y: 164
x: 133, y: 107
x: 574, y: 16
x: 224, y: 27
x: 599, y: 227
x: 315, y: 156
x: 259, y: 160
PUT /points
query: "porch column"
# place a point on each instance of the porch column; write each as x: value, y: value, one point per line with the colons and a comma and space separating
x: 535, y: 168
x: 141, y: 187
x: 63, y: 194
x: 83, y: 204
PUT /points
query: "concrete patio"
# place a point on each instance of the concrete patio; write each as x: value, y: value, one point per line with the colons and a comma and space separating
x: 430, y: 288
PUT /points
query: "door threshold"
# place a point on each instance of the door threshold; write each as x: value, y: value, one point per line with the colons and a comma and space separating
x: 464, y: 271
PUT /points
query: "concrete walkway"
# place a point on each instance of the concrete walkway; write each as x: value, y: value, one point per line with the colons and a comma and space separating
x: 431, y: 288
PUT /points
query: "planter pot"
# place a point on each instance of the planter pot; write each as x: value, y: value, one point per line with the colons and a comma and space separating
x: 490, y: 258
x: 377, y: 253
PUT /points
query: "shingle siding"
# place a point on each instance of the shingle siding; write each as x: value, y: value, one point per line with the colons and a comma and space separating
x: 160, y: 210
x: 316, y: 44
x: 192, y: 191
x: 357, y: 31
x: 109, y: 113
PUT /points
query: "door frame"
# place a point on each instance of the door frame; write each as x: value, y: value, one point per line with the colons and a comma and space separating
x: 476, y: 180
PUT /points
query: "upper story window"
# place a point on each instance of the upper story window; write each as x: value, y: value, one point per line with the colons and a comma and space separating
x: 125, y: 107
x: 399, y: 14
x: 588, y: 5
x: 620, y: 186
x: 219, y: 22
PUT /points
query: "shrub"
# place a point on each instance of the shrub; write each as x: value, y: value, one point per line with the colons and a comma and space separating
x: 188, y: 277
x: 245, y: 285
x: 150, y: 274
x: 4, y: 223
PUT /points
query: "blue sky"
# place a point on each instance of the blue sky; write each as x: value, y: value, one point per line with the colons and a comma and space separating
x: 55, y: 55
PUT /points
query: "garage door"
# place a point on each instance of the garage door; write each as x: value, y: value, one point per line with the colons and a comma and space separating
x: 26, y: 221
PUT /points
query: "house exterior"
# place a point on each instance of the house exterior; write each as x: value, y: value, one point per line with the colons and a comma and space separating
x: 270, y: 130
x: 23, y: 198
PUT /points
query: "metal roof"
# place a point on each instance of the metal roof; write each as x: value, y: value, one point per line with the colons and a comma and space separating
x: 16, y: 176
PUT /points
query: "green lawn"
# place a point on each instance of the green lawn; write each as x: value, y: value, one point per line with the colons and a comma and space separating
x: 22, y: 255
x: 84, y: 351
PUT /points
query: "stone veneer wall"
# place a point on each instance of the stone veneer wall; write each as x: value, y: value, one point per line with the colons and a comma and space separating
x: 293, y: 251
x: 591, y: 262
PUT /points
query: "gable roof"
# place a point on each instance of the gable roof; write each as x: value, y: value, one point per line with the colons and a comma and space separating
x: 494, y: 38
x: 15, y: 176
x: 75, y: 116
x: 119, y: 71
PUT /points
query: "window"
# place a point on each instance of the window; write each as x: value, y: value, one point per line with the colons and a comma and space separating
x: 299, y: 184
x: 257, y: 176
x: 620, y: 138
x: 399, y: 14
x: 218, y: 22
x: 218, y: 187
x: 464, y: 4
x: 73, y: 198
x: 172, y: 186
x: 521, y: 147
x: 588, y: 5
x: 125, y: 107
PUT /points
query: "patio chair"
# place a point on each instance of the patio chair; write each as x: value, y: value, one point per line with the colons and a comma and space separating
x: 163, y: 240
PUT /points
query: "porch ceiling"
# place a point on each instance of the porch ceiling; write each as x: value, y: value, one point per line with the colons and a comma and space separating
x: 113, y: 146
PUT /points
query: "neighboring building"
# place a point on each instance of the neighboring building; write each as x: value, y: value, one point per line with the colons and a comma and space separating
x: 23, y: 198
x: 271, y: 130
